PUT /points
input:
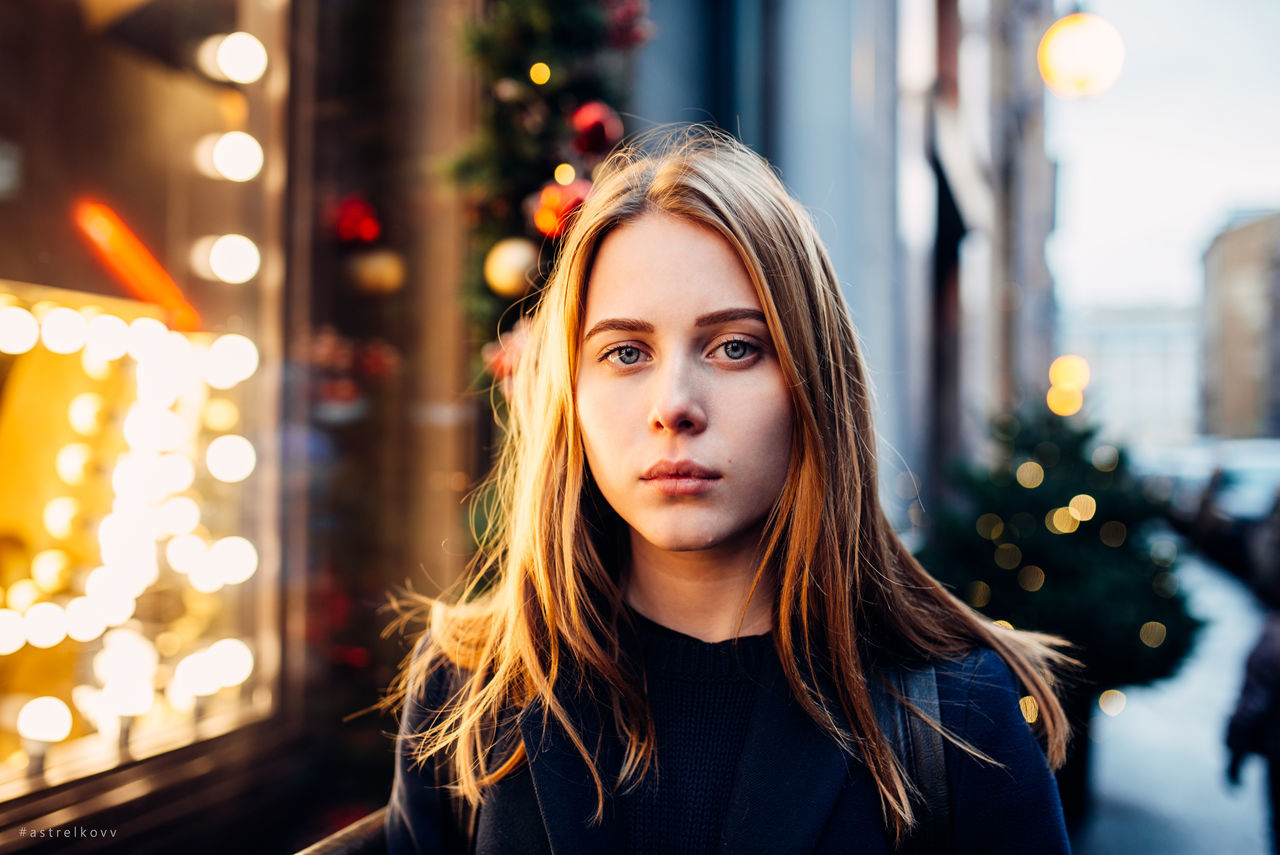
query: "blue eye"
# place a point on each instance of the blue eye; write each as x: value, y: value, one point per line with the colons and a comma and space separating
x: 625, y: 354
x: 737, y: 349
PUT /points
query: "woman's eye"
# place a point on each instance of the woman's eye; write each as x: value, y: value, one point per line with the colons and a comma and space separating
x: 738, y: 349
x: 625, y: 355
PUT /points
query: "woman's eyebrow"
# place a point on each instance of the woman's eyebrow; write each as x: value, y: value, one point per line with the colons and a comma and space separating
x: 723, y: 316
x: 619, y: 325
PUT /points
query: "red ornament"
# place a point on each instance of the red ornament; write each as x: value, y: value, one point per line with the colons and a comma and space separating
x: 596, y: 128
x: 556, y: 202
x: 356, y: 221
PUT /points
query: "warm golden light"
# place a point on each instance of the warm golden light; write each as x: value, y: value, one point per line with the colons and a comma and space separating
x: 45, y: 719
x: 179, y: 515
x: 237, y: 156
x: 45, y: 625
x: 147, y: 339
x: 241, y: 58
x: 1080, y: 55
x: 185, y: 553
x: 72, y: 462
x: 1069, y: 372
x: 990, y: 526
x: 13, y: 633
x: 49, y: 570
x: 230, y: 661
x: 540, y: 73
x: 129, y: 697
x: 64, y: 330
x: 85, y: 413
x: 232, y: 258
x: 1030, y: 708
x: 108, y: 338
x: 1008, y: 556
x: 1031, y: 578
x: 235, y: 558
x: 231, y: 359
x: 1082, y: 507
x: 565, y: 174
x: 1060, y: 521
x: 19, y: 330
x: 176, y: 472
x: 60, y: 515
x: 150, y: 428
x: 221, y: 415
x: 21, y: 595
x: 1064, y: 402
x: 231, y: 458
x: 1152, y: 633
x: 979, y: 594
x: 85, y: 621
x: 1112, y: 702
x: 1030, y: 474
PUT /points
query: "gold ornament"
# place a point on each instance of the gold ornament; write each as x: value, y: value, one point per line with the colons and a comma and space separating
x: 509, y: 267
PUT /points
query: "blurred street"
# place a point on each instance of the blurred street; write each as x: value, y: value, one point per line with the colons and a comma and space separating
x: 1157, y: 778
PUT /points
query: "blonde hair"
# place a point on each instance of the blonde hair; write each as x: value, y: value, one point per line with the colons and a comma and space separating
x: 544, y: 602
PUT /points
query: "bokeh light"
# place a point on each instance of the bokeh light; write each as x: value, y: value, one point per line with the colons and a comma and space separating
x: 231, y: 359
x: 64, y: 330
x: 1112, y: 702
x: 235, y: 558
x: 231, y: 458
x: 44, y: 719
x: 1080, y: 55
x: 1153, y: 633
x: 19, y: 330
x: 540, y: 73
x: 1030, y: 474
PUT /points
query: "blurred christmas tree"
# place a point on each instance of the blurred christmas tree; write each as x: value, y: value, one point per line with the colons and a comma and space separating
x: 1058, y: 537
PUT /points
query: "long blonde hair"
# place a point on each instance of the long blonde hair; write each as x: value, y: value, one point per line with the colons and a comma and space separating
x: 545, y: 599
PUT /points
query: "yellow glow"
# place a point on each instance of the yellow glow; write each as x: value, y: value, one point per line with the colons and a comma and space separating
x: 1064, y: 402
x: 152, y: 428
x: 176, y: 471
x: 127, y: 538
x: 131, y: 655
x: 193, y: 675
x: 241, y: 58
x: 234, y: 259
x: 1030, y: 708
x: 161, y: 381
x: 1080, y: 55
x: 231, y: 458
x: 1112, y: 533
x: 45, y: 625
x: 64, y: 330
x: 230, y: 660
x: 168, y: 643
x: 19, y: 330
x: 979, y: 594
x: 221, y: 415
x: 1069, y: 372
x: 236, y: 156
x: 540, y: 73
x: 72, y: 461
x: 205, y: 577
x: 1031, y: 578
x: 21, y: 595
x: 1152, y: 633
x: 132, y: 697
x: 85, y: 413
x: 60, y: 515
x: 185, y: 553
x: 1105, y: 458
x: 93, y: 367
x: 1030, y: 474
x: 1112, y: 702
x: 990, y: 526
x: 235, y: 558
x: 49, y: 570
x: 1003, y: 623
x: 565, y: 173
x: 107, y: 338
x: 85, y: 621
x: 1008, y: 556
x: 147, y: 339
x: 13, y: 632
x: 45, y: 719
x: 1082, y: 507
x: 231, y: 359
x: 1060, y: 521
x: 179, y: 515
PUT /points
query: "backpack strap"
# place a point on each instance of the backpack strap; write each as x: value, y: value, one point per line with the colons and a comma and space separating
x: 920, y: 749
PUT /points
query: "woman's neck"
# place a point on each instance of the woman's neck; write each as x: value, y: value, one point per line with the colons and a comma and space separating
x: 701, y: 594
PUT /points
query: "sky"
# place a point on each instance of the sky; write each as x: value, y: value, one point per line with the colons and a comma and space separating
x: 1152, y: 169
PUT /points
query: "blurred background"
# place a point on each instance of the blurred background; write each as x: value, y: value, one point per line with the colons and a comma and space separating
x: 256, y: 257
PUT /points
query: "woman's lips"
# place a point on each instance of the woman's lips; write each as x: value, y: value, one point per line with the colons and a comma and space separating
x: 681, y: 485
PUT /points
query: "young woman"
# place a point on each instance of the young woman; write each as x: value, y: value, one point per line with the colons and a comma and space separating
x: 690, y: 612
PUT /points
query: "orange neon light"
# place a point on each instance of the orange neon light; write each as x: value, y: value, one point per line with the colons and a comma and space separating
x: 132, y: 263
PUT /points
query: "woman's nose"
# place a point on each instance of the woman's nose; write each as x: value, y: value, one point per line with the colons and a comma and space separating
x: 678, y: 399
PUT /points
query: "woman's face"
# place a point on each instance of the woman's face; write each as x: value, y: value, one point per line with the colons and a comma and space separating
x: 684, y: 412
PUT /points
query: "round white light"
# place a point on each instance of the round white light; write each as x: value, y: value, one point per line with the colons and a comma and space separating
x: 179, y: 515
x: 60, y: 515
x: 71, y: 462
x: 241, y: 58
x: 231, y: 458
x: 85, y: 413
x: 237, y: 156
x: 194, y: 675
x: 147, y: 339
x: 234, y: 259
x: 85, y: 621
x: 186, y: 552
x: 108, y: 337
x: 64, y: 330
x: 230, y: 660
x: 177, y: 472
x: 234, y: 558
x: 48, y: 568
x: 149, y: 427
x: 19, y: 330
x: 13, y: 632
x: 130, y: 697
x: 45, y: 719
x: 45, y: 625
x: 231, y: 359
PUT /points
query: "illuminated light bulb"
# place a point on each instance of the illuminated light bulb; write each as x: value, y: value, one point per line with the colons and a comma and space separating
x: 1064, y: 402
x: 44, y: 719
x: 565, y: 173
x: 540, y: 73
x: 230, y: 660
x: 231, y: 258
x: 177, y: 473
x: 186, y: 552
x: 60, y: 515
x: 1069, y: 372
x: 64, y: 330
x: 194, y: 676
x: 148, y: 427
x: 108, y: 338
x: 1080, y: 55
x: 1112, y: 702
x: 147, y: 339
x: 72, y: 461
x: 13, y: 633
x: 85, y: 413
x: 231, y: 458
x: 133, y: 655
x: 1083, y: 507
x: 179, y: 515
x: 237, y: 156
x: 19, y: 330
x: 221, y: 415
x: 180, y: 697
x: 45, y: 625
x: 205, y: 577
x: 241, y: 58
x: 21, y: 595
x: 234, y: 558
x: 231, y: 359
x: 49, y: 568
x: 85, y: 621
x: 1030, y: 474
x: 131, y: 697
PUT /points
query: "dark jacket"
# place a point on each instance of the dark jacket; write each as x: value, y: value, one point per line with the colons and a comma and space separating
x: 795, y: 791
x: 1255, y: 725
